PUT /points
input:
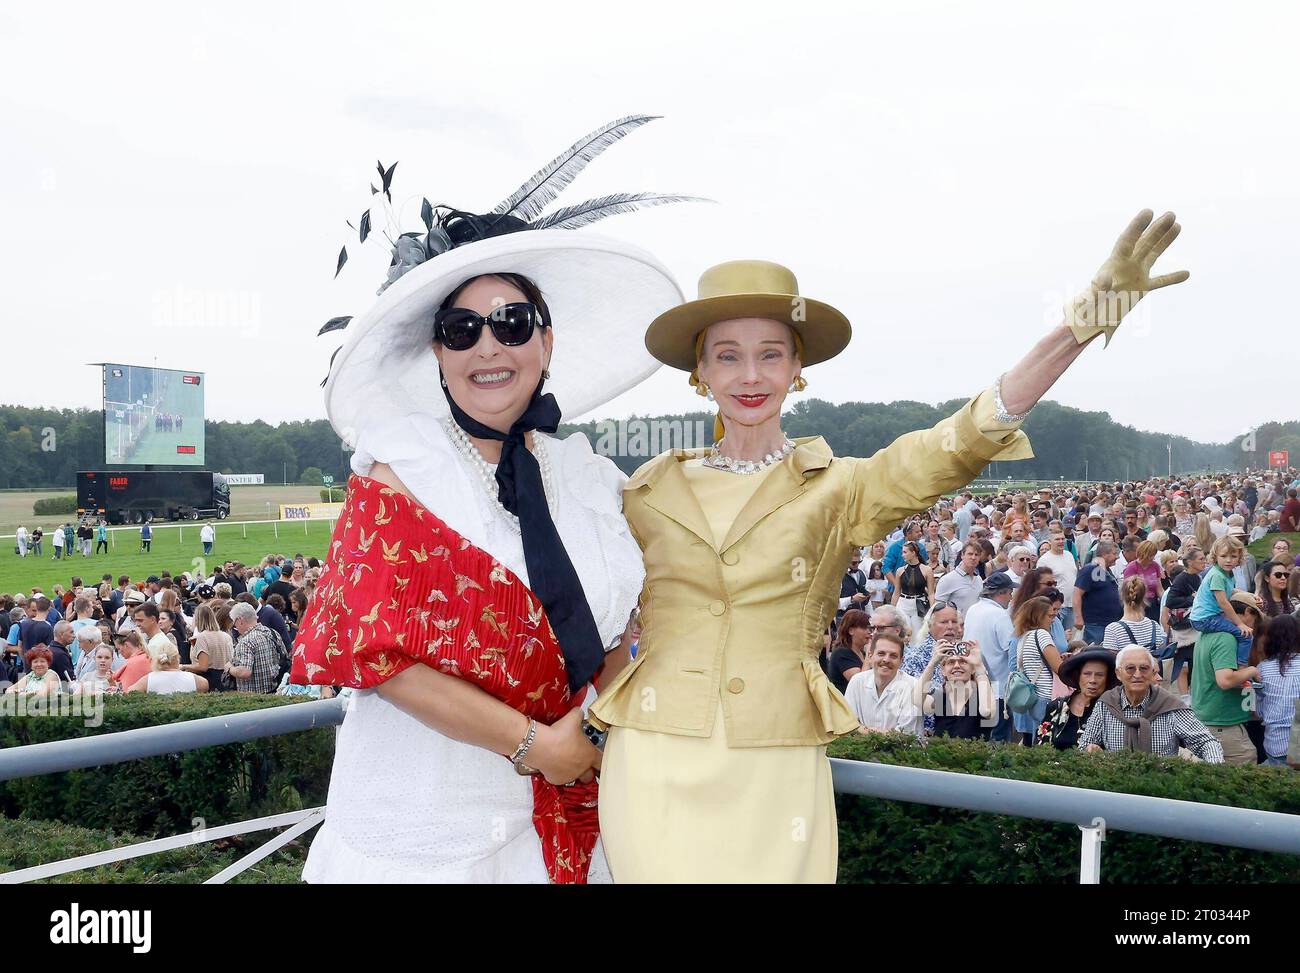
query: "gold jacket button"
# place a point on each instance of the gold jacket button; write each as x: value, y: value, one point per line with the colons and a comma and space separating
x: 730, y: 557
x: 736, y: 686
x: 717, y: 608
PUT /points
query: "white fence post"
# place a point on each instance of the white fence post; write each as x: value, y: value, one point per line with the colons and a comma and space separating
x: 1090, y: 858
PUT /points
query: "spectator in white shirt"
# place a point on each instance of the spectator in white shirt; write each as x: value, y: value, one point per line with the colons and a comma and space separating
x: 1019, y: 560
x: 1064, y: 569
x: 875, y: 553
x: 881, y: 695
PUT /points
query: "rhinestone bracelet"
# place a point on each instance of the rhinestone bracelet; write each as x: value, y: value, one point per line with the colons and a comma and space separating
x: 1001, y: 414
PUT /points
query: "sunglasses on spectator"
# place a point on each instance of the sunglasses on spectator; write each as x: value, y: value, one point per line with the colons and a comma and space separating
x: 1283, y: 575
x: 878, y: 628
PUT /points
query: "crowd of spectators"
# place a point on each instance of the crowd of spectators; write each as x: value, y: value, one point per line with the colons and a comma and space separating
x: 1098, y: 617
x: 230, y: 631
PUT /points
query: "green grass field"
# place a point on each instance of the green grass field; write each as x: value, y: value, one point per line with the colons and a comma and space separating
x: 176, y: 548
x: 246, y: 503
x: 1263, y: 547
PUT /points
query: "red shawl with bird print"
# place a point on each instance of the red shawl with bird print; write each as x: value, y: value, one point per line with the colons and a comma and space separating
x: 399, y: 588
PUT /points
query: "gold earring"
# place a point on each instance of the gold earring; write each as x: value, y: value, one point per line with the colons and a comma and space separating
x: 799, y: 384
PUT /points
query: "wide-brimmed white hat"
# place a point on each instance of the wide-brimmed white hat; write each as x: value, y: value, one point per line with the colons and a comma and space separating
x: 601, y: 293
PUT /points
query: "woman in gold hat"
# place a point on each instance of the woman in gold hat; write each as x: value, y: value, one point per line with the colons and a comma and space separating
x: 715, y: 766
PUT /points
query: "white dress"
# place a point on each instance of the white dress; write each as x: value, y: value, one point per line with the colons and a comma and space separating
x: 407, y: 804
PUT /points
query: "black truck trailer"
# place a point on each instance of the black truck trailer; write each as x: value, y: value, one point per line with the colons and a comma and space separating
x: 136, y: 496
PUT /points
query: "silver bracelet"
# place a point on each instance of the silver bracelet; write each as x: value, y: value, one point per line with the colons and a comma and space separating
x: 522, y: 768
x: 1001, y: 414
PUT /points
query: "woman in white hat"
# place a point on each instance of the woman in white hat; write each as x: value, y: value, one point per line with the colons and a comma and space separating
x: 480, y: 569
x: 715, y: 767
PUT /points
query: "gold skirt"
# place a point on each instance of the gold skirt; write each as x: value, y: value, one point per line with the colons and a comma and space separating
x: 691, y: 809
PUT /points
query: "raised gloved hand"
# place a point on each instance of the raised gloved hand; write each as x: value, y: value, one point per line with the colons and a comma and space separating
x: 1124, y: 278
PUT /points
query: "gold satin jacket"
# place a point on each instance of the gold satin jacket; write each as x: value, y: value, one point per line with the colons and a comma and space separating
x: 743, y: 620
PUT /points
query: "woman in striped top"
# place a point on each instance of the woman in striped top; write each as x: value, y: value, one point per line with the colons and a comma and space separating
x: 1280, y: 673
x: 1134, y: 628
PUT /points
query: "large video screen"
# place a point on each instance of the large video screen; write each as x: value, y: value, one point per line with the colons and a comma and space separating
x: 152, y: 416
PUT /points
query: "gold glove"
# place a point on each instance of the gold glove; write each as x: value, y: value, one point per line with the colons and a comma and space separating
x: 1124, y: 278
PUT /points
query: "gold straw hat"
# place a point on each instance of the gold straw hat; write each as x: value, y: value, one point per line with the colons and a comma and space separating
x: 748, y: 289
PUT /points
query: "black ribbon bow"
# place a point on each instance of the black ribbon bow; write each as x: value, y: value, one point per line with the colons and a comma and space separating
x: 551, y: 574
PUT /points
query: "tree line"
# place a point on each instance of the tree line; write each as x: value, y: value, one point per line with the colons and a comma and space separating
x: 46, y: 447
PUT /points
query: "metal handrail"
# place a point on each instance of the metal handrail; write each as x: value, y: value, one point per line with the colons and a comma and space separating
x: 1093, y: 811
x: 154, y: 741
x: 1214, y: 824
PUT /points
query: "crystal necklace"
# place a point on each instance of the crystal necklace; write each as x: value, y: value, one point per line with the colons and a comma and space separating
x: 716, y: 461
x: 487, y: 473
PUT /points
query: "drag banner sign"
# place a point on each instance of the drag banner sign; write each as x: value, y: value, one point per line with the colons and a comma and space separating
x: 310, y: 511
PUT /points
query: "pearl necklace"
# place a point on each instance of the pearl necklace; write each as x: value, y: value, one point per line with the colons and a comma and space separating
x: 487, y: 472
x: 715, y: 460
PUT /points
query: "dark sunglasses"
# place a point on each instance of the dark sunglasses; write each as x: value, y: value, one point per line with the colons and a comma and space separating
x: 459, y: 328
x: 1283, y: 575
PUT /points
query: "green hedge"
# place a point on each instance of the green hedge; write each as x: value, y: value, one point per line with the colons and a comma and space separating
x: 896, y: 842
x: 24, y: 843
x: 160, y: 796
x: 55, y: 505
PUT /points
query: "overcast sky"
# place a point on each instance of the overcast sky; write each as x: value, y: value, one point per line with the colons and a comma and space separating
x: 176, y: 180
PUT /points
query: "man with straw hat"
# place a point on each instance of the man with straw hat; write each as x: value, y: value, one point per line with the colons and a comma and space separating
x: 715, y: 767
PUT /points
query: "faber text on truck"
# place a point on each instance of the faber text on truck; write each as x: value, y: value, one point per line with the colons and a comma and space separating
x: 136, y: 496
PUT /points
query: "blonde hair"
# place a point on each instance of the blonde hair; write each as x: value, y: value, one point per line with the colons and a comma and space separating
x: 1204, y: 536
x: 1146, y: 550
x: 166, y: 656
x: 205, y: 619
x: 1225, y: 545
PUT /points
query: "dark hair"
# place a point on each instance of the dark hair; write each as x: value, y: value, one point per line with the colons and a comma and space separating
x: 521, y: 283
x: 1271, y: 607
x: 149, y: 608
x: 1283, y: 641
x: 276, y: 601
x: 876, y: 572
x: 853, y: 618
x: 1030, y: 585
